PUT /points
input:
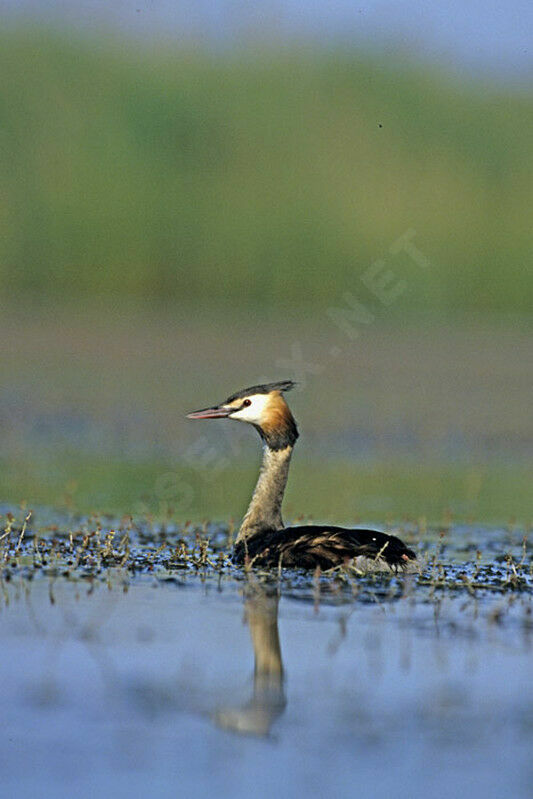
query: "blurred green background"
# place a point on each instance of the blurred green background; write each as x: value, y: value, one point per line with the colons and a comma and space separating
x: 271, y: 177
x: 178, y: 223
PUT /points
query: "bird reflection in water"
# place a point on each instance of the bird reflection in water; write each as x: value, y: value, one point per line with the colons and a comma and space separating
x: 268, y: 701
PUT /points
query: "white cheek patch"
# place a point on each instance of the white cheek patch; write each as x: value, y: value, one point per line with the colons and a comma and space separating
x: 254, y: 412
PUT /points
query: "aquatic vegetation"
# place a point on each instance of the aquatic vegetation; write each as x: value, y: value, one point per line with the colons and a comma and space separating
x: 471, y: 561
x: 133, y: 643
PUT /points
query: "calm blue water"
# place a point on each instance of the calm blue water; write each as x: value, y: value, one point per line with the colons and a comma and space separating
x: 145, y: 686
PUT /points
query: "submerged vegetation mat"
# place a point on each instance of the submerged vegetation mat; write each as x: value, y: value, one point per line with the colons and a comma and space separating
x: 470, y: 561
x: 129, y: 648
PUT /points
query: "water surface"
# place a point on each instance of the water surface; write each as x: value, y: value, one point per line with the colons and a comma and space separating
x: 133, y: 674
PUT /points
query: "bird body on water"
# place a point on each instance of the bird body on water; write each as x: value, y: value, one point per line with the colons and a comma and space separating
x: 263, y: 540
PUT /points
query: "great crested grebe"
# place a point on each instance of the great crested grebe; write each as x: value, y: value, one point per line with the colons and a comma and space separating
x: 262, y: 539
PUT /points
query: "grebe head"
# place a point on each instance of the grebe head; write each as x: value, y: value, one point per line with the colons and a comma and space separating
x: 263, y: 407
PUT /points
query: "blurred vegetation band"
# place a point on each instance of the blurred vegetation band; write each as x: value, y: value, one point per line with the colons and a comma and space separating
x: 189, y: 177
x: 344, y: 492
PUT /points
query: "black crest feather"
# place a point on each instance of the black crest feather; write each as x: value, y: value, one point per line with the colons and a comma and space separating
x: 264, y: 388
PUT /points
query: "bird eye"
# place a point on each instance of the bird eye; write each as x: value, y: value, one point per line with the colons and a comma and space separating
x: 246, y: 403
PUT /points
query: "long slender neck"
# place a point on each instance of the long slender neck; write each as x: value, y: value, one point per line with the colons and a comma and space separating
x: 264, y: 511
